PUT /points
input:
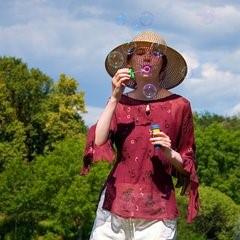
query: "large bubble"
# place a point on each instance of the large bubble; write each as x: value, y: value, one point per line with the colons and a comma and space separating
x: 115, y: 59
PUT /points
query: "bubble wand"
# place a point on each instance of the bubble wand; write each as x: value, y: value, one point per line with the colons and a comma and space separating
x: 145, y: 70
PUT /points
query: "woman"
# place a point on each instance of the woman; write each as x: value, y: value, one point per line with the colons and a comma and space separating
x: 138, y: 199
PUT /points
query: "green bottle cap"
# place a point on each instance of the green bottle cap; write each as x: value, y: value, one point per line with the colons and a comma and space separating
x: 131, y: 72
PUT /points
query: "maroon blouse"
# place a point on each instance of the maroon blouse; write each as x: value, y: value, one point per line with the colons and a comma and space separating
x: 140, y: 183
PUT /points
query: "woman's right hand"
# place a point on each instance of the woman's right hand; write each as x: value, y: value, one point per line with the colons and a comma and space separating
x: 119, y: 81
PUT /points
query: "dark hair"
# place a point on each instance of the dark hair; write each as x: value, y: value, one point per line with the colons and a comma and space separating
x: 165, y: 61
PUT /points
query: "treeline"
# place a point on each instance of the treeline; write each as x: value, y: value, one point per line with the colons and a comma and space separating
x: 42, y: 138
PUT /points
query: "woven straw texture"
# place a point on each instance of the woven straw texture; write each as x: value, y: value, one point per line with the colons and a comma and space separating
x: 175, y: 71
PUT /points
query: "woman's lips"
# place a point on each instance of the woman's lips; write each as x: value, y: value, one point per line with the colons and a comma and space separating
x: 146, y: 69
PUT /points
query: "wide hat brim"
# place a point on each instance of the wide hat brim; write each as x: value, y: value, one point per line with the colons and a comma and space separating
x: 175, y: 70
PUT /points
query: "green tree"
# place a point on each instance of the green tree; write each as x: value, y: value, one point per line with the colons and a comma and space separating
x: 22, y: 92
x: 62, y: 111
x: 205, y: 119
x: 218, y: 159
x: 46, y: 112
x: 219, y: 217
x: 36, y: 115
x: 48, y: 197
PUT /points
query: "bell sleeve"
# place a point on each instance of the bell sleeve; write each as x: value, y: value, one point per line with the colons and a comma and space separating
x: 186, y: 149
x: 94, y: 153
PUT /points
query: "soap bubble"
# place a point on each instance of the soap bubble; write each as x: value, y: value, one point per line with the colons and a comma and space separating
x: 146, y: 18
x: 129, y: 47
x: 135, y: 28
x: 149, y: 90
x: 208, y: 16
x: 159, y: 49
x: 115, y: 59
x: 121, y: 19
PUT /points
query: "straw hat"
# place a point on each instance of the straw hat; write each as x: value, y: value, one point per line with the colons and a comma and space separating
x: 174, y: 72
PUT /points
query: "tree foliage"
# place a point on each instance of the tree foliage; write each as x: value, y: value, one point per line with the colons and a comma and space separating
x: 50, y: 196
x: 218, y: 148
x: 219, y: 217
x: 36, y: 112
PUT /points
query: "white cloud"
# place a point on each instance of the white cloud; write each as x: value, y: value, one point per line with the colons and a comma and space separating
x: 86, y: 10
x: 214, y: 83
x: 192, y: 62
x: 235, y: 111
x: 215, y: 90
x: 228, y: 17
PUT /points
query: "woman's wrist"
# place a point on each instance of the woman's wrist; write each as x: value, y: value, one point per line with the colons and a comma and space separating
x: 175, y: 159
x: 174, y: 156
x: 113, y: 99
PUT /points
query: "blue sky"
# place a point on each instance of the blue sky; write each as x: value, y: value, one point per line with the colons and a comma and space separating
x: 75, y: 36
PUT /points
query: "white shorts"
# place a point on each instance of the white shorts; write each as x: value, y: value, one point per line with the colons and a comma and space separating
x: 110, y: 226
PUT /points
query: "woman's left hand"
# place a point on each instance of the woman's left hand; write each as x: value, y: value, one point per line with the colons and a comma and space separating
x: 160, y: 138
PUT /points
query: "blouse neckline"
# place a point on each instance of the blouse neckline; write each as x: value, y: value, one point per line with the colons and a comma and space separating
x: 126, y: 99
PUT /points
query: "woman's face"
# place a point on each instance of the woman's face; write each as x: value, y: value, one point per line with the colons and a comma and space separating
x: 146, y: 61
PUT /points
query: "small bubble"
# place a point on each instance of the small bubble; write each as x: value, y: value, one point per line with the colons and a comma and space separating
x: 146, y: 18
x: 121, y: 19
x: 115, y: 59
x: 136, y: 28
x: 161, y: 48
x: 129, y: 47
x: 149, y: 90
x: 208, y: 16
